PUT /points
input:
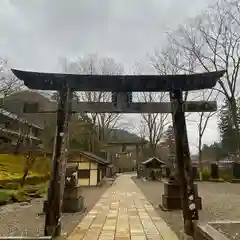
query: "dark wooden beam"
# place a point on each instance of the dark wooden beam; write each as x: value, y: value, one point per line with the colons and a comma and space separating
x: 164, y: 107
x: 119, y: 83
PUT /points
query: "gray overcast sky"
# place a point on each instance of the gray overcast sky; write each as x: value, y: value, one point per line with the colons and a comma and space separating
x: 35, y: 33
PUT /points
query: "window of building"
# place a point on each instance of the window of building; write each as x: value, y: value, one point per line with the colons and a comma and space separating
x: 30, y: 107
x: 84, y: 173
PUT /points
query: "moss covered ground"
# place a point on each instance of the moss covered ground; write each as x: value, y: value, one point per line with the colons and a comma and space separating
x: 12, y: 167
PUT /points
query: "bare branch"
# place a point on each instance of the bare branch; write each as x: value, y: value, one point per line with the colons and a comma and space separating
x: 92, y: 64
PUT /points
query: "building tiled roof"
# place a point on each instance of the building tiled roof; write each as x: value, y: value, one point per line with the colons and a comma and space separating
x: 14, y: 116
x: 151, y: 159
x: 89, y: 155
x: 94, y: 157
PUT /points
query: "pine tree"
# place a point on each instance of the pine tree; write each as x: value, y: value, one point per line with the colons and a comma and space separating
x: 229, y: 138
x: 170, y: 139
x: 169, y: 143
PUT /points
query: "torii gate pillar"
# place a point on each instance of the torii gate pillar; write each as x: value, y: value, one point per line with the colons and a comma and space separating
x: 138, y: 160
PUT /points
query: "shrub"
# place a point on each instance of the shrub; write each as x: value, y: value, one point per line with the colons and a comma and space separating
x: 36, y: 191
x: 206, y: 175
x: 36, y: 180
x: 216, y: 180
x: 226, y: 174
x: 19, y: 196
x: 11, y: 185
x: 5, y: 197
x: 22, y: 194
x: 31, y: 180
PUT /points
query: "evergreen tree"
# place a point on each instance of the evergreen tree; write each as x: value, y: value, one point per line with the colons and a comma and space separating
x: 169, y: 144
x: 229, y: 136
x: 170, y: 139
x: 215, y: 151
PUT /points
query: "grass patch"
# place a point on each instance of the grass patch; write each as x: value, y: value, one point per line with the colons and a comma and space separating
x: 216, y: 180
x: 12, y: 169
x: 12, y: 166
x: 36, y: 191
x: 23, y: 194
x: 5, y: 196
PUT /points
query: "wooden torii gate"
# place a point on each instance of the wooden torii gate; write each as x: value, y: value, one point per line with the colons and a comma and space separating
x: 122, y: 87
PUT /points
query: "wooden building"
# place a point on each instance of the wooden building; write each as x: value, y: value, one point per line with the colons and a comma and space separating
x: 14, y: 129
x: 19, y: 102
x: 91, y: 168
x: 152, y: 168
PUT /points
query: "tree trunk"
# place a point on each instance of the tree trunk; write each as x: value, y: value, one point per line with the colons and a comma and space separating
x: 200, y: 157
x: 24, y: 177
x: 233, y: 106
x: 28, y: 165
x: 152, y: 149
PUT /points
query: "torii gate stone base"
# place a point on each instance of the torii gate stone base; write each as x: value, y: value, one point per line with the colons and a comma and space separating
x: 73, y: 200
x: 122, y: 88
x: 171, y: 198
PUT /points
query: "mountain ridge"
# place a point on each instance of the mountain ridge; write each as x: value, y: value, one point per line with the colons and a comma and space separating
x: 121, y: 134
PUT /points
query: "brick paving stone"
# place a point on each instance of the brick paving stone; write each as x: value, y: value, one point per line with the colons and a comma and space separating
x: 123, y: 213
x: 141, y: 237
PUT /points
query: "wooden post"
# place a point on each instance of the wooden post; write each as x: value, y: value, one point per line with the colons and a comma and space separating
x: 184, y: 168
x: 138, y: 161
x: 53, y: 209
x: 65, y: 143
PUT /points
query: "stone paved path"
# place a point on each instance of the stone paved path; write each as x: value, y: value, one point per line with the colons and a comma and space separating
x: 123, y: 213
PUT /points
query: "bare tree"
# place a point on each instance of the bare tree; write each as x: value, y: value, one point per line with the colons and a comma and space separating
x: 153, y: 123
x: 175, y: 60
x: 172, y: 60
x: 20, y: 141
x: 16, y: 135
x: 202, y: 125
x: 92, y: 64
x: 164, y: 62
x: 9, y: 83
x: 213, y: 38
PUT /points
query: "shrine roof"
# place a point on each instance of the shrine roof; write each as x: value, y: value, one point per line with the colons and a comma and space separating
x: 153, y: 159
x: 90, y: 156
x: 127, y: 142
x: 118, y: 83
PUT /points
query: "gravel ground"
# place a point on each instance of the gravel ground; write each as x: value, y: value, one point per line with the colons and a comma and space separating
x: 230, y: 230
x: 220, y: 202
x: 21, y: 219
